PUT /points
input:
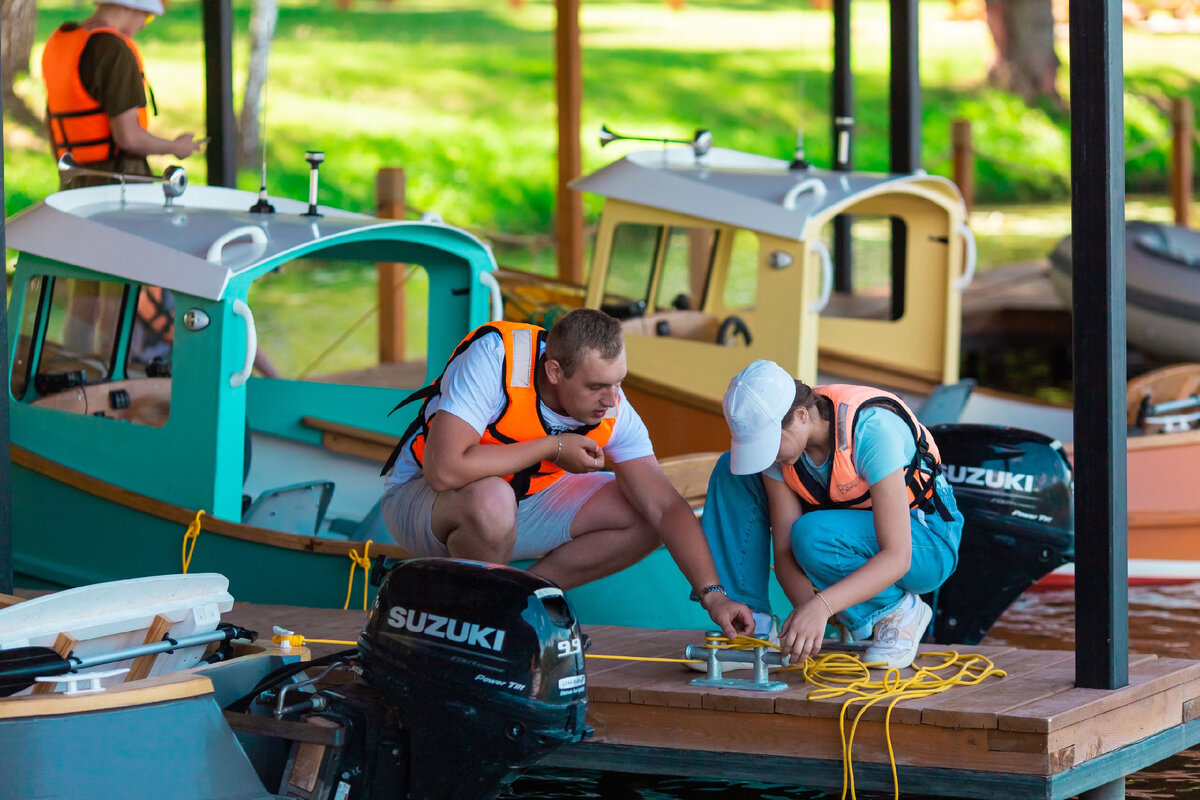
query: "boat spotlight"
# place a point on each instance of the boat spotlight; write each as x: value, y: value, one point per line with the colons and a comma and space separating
x: 173, y: 179
x: 701, y: 141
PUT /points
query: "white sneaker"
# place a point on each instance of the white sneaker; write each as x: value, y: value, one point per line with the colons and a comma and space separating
x: 898, y: 635
x: 771, y: 636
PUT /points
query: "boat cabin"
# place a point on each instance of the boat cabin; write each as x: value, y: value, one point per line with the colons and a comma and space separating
x: 718, y: 259
x: 132, y: 344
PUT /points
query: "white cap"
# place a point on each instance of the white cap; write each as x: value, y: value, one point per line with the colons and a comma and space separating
x: 154, y: 7
x: 757, y: 400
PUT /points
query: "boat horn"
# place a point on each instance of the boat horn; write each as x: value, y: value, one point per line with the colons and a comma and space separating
x: 173, y: 179
x: 701, y: 141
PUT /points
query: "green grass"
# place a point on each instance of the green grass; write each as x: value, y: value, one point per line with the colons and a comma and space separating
x: 461, y: 94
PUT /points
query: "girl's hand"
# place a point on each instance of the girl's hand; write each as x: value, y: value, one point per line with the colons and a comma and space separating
x: 804, y: 630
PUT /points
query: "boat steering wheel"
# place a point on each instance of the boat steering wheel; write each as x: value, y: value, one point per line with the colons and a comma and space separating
x: 732, y: 329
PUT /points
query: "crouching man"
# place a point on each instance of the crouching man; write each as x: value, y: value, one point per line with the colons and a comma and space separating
x: 506, y: 460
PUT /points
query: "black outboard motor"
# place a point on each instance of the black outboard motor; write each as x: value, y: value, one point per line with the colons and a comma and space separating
x: 469, y: 673
x: 483, y: 664
x: 1014, y: 489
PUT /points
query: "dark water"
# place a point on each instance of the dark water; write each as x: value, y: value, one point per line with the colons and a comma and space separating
x: 1162, y: 620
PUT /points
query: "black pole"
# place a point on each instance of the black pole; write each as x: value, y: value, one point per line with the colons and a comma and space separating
x: 6, y: 554
x: 904, y: 104
x: 218, y: 95
x: 843, y: 138
x: 1098, y: 288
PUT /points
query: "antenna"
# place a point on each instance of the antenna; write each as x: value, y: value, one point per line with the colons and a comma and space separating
x: 263, y: 206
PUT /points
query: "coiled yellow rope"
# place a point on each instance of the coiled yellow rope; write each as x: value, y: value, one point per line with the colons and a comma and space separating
x: 191, y: 535
x: 357, y: 561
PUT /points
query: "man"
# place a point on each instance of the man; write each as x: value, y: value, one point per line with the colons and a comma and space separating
x: 506, y: 456
x: 96, y: 93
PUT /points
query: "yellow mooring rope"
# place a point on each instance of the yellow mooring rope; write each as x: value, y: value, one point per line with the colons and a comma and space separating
x: 357, y: 561
x: 191, y: 535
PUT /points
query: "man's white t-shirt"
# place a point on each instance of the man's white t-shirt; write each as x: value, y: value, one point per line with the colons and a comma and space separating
x: 472, y: 391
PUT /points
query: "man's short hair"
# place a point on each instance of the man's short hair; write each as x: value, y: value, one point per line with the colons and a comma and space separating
x: 579, y: 331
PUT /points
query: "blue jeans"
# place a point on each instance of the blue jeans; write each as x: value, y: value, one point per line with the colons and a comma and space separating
x: 828, y: 545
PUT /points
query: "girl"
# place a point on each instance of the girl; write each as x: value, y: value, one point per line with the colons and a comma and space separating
x: 843, y: 482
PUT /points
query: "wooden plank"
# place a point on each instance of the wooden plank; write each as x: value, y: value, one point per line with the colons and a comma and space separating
x: 989, y: 703
x: 141, y: 665
x: 160, y: 688
x: 612, y: 681
x: 1124, y: 725
x: 802, y: 737
x: 1147, y: 676
x: 64, y: 643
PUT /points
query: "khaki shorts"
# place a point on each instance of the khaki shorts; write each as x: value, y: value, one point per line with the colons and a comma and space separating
x: 543, y: 520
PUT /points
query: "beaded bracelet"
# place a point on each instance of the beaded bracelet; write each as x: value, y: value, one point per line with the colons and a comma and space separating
x: 559, y: 453
x: 826, y: 602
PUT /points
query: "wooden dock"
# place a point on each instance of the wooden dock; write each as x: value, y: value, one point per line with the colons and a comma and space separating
x: 1031, y: 734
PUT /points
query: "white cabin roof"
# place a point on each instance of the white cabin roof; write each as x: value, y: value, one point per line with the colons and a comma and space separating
x: 142, y: 239
x: 749, y: 191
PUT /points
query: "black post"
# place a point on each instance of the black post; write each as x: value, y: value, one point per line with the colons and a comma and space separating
x: 6, y: 554
x: 1098, y: 288
x: 905, y: 130
x: 843, y: 138
x: 218, y: 93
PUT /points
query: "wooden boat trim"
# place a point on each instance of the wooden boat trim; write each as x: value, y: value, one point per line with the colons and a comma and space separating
x: 351, y: 440
x: 1156, y: 441
x: 184, y: 516
x: 1164, y: 519
x: 159, y: 689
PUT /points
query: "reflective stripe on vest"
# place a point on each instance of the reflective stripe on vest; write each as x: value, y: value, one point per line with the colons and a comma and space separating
x: 76, y: 121
x: 848, y: 489
x: 519, y: 420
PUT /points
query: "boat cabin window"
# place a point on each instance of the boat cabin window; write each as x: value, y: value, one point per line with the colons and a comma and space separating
x: 635, y: 251
x: 870, y: 286
x: 741, y: 283
x: 80, y: 340
x: 686, y: 263
x: 152, y: 336
x: 319, y: 320
x: 19, y: 381
x: 69, y: 346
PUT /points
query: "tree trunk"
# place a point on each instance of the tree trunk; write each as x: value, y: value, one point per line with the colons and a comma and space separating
x: 1026, y: 64
x: 262, y: 30
x: 18, y: 19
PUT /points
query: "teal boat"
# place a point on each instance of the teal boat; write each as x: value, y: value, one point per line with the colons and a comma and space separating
x: 133, y: 406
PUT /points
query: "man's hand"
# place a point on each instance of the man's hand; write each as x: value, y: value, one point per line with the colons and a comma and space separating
x: 579, y: 454
x: 183, y: 146
x: 732, y: 617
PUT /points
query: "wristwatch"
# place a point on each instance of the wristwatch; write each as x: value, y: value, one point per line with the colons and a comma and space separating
x: 707, y: 590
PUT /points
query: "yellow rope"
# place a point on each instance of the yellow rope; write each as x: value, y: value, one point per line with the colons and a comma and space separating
x: 356, y: 561
x: 296, y: 640
x: 192, y: 534
x: 841, y: 674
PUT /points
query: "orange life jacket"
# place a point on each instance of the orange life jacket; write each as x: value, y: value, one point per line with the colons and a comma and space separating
x: 519, y: 421
x: 155, y: 310
x: 76, y: 121
x: 848, y: 489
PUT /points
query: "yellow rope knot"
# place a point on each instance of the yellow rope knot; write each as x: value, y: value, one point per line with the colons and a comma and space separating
x: 191, y: 535
x: 357, y: 561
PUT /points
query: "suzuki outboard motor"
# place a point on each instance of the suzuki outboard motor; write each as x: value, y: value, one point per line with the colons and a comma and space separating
x: 465, y: 673
x: 483, y: 664
x: 1014, y: 489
